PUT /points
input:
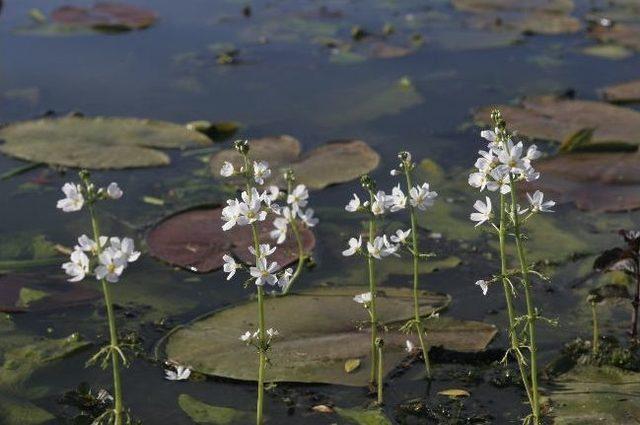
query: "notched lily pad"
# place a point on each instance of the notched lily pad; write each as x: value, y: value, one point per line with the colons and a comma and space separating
x: 593, y: 181
x: 98, y: 142
x: 109, y: 17
x: 332, y: 163
x: 315, y: 346
x: 194, y: 240
x: 555, y: 119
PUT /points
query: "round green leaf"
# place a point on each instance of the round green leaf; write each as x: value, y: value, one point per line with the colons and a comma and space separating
x: 97, y: 143
x: 318, y: 334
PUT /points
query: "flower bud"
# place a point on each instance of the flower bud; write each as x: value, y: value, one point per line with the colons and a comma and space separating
x: 242, y: 146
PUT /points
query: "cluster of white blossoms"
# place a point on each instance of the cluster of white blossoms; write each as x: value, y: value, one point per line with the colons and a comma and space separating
x: 113, y: 254
x: 420, y: 197
x: 255, y: 206
x: 499, y: 166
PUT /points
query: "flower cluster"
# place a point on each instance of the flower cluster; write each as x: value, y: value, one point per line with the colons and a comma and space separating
x: 292, y: 214
x: 498, y: 168
x: 253, y: 338
x: 109, y: 256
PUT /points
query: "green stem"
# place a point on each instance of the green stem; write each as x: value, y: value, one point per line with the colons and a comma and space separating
x: 380, y: 375
x: 113, y: 333
x: 508, y: 295
x: 372, y: 289
x: 416, y: 258
x: 531, y: 313
x: 301, y: 254
x: 596, y: 331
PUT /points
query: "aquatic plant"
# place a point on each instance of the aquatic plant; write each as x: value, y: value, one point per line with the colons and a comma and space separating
x: 625, y: 259
x: 377, y: 248
x: 252, y: 208
x: 420, y: 198
x: 499, y: 169
x: 105, y: 258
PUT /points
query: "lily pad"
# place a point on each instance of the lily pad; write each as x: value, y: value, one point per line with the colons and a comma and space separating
x: 596, y: 395
x: 315, y: 346
x: 105, y: 16
x: 363, y: 416
x: 608, y: 51
x: 203, y: 413
x: 194, y: 240
x: 97, y: 143
x: 623, y: 92
x: 483, y: 6
x: 555, y: 119
x: 593, y: 181
x: 332, y: 163
x: 623, y: 34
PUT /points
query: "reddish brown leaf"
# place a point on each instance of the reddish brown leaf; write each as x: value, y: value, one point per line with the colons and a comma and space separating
x: 105, y: 16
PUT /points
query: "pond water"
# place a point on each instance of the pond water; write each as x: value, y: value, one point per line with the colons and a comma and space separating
x: 287, y: 81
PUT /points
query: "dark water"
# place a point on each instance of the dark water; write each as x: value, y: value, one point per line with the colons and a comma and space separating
x: 287, y: 86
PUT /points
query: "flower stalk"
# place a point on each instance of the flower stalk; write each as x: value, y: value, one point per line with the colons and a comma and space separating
x: 593, y: 300
x: 372, y: 304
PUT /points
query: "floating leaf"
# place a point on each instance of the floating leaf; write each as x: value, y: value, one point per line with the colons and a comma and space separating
x: 623, y: 92
x: 593, y: 181
x: 589, y: 395
x: 608, y: 51
x: 315, y: 346
x: 18, y: 411
x: 97, y: 143
x: 623, y: 34
x: 110, y: 17
x: 351, y: 365
x: 334, y: 162
x: 203, y: 413
x: 194, y: 240
x: 545, y: 6
x: 363, y: 417
x: 555, y: 119
x: 454, y: 393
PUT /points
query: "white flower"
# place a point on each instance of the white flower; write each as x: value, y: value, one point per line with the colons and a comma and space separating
x: 478, y: 180
x: 73, y: 200
x: 530, y: 174
x: 364, y: 298
x: 501, y: 180
x: 271, y: 194
x: 264, y: 272
x: 483, y: 285
x: 397, y: 199
x: 230, y: 214
x: 78, y: 266
x: 227, y: 169
x: 85, y: 243
x: 538, y: 204
x: 354, y: 245
x: 409, y: 347
x: 489, y: 135
x: 250, y: 211
x: 400, y: 236
x: 532, y: 153
x: 380, y: 202
x: 285, y: 279
x: 280, y: 231
x: 486, y: 162
x: 511, y: 157
x: 125, y: 247
x: 246, y: 337
x: 114, y: 191
x: 483, y: 213
x: 230, y: 266
x: 260, y: 171
x: 112, y: 264
x: 381, y: 247
x: 395, y: 172
x: 421, y: 197
x: 264, y: 250
x: 271, y: 333
x: 298, y: 197
x: 181, y: 374
x: 353, y: 204
x: 307, y: 217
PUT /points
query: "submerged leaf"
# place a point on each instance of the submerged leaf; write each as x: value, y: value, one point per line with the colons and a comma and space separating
x: 315, y: 346
x: 363, y: 417
x: 203, y: 413
x: 97, y: 143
